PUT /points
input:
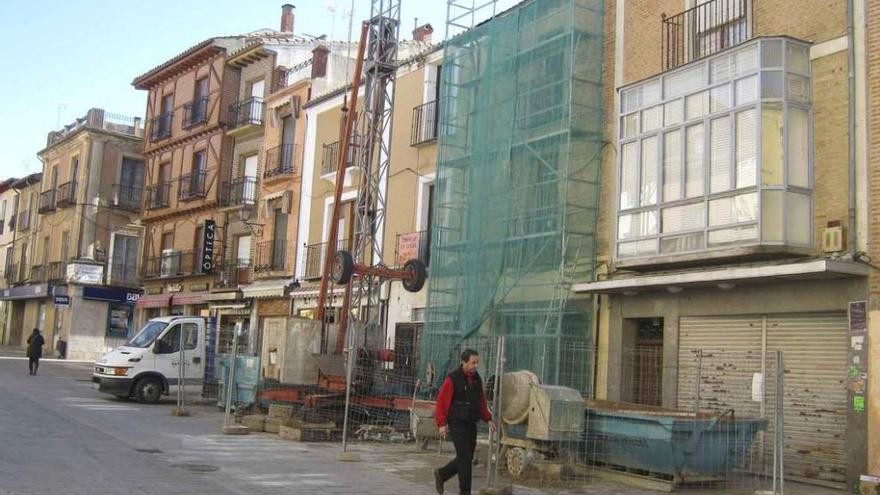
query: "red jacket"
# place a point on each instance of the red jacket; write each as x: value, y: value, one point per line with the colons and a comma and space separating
x: 444, y: 400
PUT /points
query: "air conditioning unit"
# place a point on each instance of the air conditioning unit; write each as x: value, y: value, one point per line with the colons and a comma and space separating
x: 833, y: 239
x: 170, y: 263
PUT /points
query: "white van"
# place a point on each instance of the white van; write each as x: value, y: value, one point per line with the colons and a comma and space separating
x: 148, y: 365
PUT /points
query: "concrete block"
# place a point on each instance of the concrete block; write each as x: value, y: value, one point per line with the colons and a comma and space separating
x: 281, y: 411
x: 255, y: 422
x: 297, y: 434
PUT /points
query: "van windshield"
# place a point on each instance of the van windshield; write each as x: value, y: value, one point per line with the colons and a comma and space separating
x: 147, y: 334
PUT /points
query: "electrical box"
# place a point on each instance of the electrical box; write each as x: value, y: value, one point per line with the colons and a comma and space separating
x: 832, y: 239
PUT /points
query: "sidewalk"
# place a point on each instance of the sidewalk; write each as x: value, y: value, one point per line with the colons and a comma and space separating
x: 15, y: 352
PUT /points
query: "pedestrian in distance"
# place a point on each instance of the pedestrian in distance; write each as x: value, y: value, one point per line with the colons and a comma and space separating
x: 461, y: 404
x: 35, y: 350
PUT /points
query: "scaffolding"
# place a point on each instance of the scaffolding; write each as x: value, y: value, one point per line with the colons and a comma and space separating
x: 520, y: 146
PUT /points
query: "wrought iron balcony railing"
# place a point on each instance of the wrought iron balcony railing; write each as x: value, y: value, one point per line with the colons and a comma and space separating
x: 246, y: 112
x: 195, y: 112
x: 173, y: 263
x: 160, y: 126
x: 314, y: 257
x: 127, y: 197
x: 47, y: 201
x: 158, y: 195
x: 192, y: 186
x: 66, y: 194
x: 235, y: 273
x: 424, y: 124
x: 330, y: 156
x: 239, y: 192
x: 271, y: 256
x: 280, y: 160
x: 708, y: 28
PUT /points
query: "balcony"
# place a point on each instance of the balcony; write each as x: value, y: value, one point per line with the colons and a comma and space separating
x: 160, y: 126
x: 245, y: 115
x: 271, y: 256
x: 706, y: 29
x: 280, y: 161
x: 24, y: 220
x: 412, y: 245
x: 11, y: 276
x: 239, y: 192
x: 47, y: 201
x: 715, y: 160
x: 173, y: 264
x: 123, y: 274
x: 192, y: 186
x: 235, y: 273
x: 195, y: 112
x: 330, y: 156
x: 97, y: 118
x: 127, y: 197
x: 314, y: 258
x: 424, y: 124
x: 66, y: 194
x: 37, y: 274
x: 56, y: 272
x: 158, y: 196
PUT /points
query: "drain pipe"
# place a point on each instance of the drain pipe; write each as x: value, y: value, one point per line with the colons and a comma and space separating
x: 851, y: 131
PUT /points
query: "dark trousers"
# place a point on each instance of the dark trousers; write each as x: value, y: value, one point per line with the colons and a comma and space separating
x: 464, y: 438
x: 33, y: 364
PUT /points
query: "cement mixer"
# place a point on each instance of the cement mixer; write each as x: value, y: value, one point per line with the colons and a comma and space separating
x: 537, y: 421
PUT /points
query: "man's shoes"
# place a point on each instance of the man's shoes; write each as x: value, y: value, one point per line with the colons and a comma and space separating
x: 438, y: 481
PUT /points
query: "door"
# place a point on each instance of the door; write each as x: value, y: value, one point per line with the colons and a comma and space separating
x: 257, y: 89
x: 131, y: 182
x: 168, y: 355
x: 249, y: 186
x: 279, y: 245
x: 288, y: 138
x: 405, y: 344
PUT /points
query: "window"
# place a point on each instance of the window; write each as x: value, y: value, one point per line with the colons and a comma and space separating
x: 2, y: 216
x: 170, y: 342
x: 119, y: 320
x: 124, y: 259
x: 718, y: 153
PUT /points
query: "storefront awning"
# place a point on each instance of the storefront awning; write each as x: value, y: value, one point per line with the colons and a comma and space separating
x: 222, y: 296
x: 24, y: 292
x: 727, y: 278
x: 154, y: 301
x: 312, y: 290
x: 188, y: 298
x: 266, y: 288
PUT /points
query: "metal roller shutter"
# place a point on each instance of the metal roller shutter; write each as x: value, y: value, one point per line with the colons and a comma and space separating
x: 814, y: 348
x: 815, y: 355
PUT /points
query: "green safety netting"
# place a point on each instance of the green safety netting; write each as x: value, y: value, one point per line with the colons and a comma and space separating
x: 517, y: 190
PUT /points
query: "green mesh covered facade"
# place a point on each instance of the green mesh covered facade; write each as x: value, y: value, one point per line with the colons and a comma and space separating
x: 517, y: 190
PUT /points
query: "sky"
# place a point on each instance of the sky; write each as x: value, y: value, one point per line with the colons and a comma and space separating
x: 62, y: 57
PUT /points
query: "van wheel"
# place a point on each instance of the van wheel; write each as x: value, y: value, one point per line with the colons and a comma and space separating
x: 148, y: 390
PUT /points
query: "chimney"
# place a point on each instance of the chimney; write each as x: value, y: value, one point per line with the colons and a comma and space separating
x: 320, y: 55
x: 287, y: 18
x: 423, y: 33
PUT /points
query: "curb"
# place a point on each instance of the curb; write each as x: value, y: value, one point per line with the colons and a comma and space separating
x: 48, y: 360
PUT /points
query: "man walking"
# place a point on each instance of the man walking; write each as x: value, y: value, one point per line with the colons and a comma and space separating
x: 461, y: 403
x: 35, y: 350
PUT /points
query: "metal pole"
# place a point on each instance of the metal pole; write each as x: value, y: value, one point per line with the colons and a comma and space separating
x: 349, y: 364
x: 181, y: 373
x: 780, y: 418
x: 697, y: 379
x: 230, y: 372
x: 495, y: 436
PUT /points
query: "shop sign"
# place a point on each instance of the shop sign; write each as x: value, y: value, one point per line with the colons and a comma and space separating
x: 208, y: 246
x: 174, y: 287
x: 198, y: 287
x: 154, y: 290
x: 62, y: 301
x: 85, y: 273
x: 110, y: 294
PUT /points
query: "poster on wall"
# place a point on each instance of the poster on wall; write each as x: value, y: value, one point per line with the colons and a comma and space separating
x: 120, y: 320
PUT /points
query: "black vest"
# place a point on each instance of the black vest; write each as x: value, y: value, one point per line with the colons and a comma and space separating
x: 465, y: 407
